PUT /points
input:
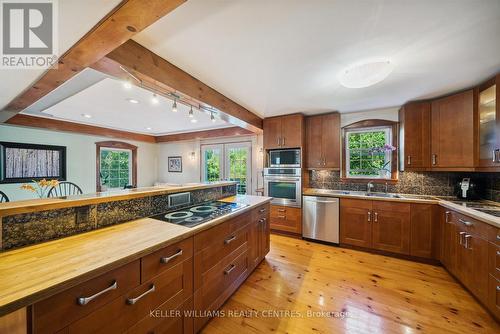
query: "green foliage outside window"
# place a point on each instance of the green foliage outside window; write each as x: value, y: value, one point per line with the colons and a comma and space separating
x: 115, y: 168
x: 212, y: 163
x: 363, y: 160
x: 238, y: 168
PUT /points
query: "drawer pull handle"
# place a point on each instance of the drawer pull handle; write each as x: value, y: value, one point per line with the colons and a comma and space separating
x: 281, y: 210
x: 498, y: 237
x: 498, y: 287
x: 85, y: 300
x: 498, y: 253
x: 262, y: 220
x: 369, y: 216
x: 467, y: 238
x: 132, y: 301
x: 170, y: 258
x: 376, y: 217
x: 466, y: 223
x: 446, y: 216
x: 228, y: 241
x: 228, y: 271
x: 460, y: 239
x: 262, y: 210
x: 282, y: 217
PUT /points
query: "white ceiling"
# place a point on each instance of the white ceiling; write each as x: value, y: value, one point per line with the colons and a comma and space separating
x: 283, y: 56
x: 107, y: 102
x: 76, y: 18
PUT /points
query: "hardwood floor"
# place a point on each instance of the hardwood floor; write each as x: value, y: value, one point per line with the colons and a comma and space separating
x: 379, y: 294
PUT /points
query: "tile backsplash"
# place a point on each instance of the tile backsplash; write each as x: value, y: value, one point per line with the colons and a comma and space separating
x: 422, y: 183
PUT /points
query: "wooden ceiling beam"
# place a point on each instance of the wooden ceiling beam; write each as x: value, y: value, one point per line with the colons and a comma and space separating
x: 196, y: 135
x: 147, y: 65
x: 127, y: 19
x: 58, y: 125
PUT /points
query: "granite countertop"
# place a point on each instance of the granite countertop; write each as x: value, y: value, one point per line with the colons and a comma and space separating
x: 34, y: 205
x: 36, y: 272
x: 486, y: 211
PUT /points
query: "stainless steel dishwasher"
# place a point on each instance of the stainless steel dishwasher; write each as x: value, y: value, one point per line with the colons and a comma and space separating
x: 320, y: 218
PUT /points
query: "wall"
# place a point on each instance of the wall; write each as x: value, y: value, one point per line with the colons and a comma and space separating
x: 390, y: 114
x: 191, y: 169
x: 80, y: 157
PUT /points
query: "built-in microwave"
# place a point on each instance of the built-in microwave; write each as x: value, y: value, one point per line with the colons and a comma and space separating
x: 284, y: 158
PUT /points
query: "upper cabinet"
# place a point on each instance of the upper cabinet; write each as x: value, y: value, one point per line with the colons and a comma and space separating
x: 488, y: 111
x: 284, y: 132
x: 415, y: 142
x: 323, y: 141
x: 452, y: 132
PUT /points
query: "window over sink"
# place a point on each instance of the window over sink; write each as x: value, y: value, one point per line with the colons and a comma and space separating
x: 369, y: 150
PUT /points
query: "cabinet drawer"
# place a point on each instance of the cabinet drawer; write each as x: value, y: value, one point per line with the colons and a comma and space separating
x: 165, y: 320
x: 209, y: 257
x: 494, y: 260
x: 260, y: 212
x: 221, y: 232
x: 56, y: 312
x: 172, y: 288
x: 286, y: 219
x: 471, y: 225
x: 165, y: 258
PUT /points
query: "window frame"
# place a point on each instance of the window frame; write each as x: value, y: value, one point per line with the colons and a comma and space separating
x: 370, y: 125
x: 116, y: 145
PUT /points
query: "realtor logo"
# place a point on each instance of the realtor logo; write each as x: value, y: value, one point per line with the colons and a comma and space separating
x: 29, y: 38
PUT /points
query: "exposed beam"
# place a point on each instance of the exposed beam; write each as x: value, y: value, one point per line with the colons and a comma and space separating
x: 121, y: 24
x: 54, y: 124
x: 143, y: 62
x: 224, y: 132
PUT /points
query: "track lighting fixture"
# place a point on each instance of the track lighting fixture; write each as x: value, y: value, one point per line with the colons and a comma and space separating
x: 174, y: 106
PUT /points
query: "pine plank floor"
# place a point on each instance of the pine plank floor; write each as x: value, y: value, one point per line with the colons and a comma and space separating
x: 376, y: 294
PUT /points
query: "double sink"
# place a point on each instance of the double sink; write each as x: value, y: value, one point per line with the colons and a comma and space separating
x: 361, y: 193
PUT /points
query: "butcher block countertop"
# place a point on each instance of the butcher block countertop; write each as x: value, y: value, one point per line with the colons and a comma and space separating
x: 33, y: 205
x: 33, y: 273
x: 468, y: 208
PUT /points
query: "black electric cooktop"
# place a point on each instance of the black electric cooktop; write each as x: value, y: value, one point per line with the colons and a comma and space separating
x: 199, y: 214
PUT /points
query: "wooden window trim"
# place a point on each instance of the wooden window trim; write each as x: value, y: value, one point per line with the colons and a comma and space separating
x: 394, y: 142
x: 115, y: 145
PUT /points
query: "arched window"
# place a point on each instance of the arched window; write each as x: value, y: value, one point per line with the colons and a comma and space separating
x: 116, y: 165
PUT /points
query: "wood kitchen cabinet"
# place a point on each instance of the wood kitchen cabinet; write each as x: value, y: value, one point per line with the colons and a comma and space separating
x: 425, y: 231
x: 452, y: 132
x: 494, y: 272
x: 465, y: 252
x: 323, y: 141
x: 259, y: 235
x: 415, y: 136
x: 284, y: 132
x: 380, y: 225
x: 355, y: 222
x: 488, y: 125
x: 286, y: 219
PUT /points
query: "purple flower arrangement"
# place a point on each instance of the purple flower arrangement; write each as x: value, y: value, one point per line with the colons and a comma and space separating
x: 382, y: 149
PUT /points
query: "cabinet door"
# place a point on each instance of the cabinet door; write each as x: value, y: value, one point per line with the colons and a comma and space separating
x: 453, y: 131
x: 314, y: 157
x: 450, y: 245
x: 463, y: 266
x: 494, y: 296
x: 330, y: 145
x: 356, y: 222
x: 424, y: 229
x: 415, y: 119
x: 272, y: 133
x: 488, y: 124
x: 292, y: 131
x: 254, y: 236
x: 391, y: 227
x: 478, y: 248
x: 265, y: 241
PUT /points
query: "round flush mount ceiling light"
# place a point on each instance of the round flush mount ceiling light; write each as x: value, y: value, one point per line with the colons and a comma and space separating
x: 87, y: 115
x: 365, y: 74
x: 134, y: 101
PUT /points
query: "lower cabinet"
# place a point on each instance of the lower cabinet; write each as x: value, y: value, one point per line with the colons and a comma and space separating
x: 166, y: 291
x: 380, y: 225
x: 470, y: 257
x: 286, y: 219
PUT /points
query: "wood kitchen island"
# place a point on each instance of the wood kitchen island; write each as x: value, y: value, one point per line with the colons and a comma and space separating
x: 130, y: 277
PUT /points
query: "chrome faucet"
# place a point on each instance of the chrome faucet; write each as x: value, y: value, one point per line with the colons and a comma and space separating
x: 369, y: 187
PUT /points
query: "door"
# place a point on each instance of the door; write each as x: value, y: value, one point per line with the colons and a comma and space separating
x: 415, y: 121
x: 391, y: 227
x: 356, y: 222
x: 489, y: 123
x: 230, y: 162
x: 272, y: 133
x: 292, y: 127
x: 452, y: 131
x: 314, y: 135
x: 331, y: 140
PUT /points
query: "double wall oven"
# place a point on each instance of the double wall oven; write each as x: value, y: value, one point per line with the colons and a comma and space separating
x: 282, y: 180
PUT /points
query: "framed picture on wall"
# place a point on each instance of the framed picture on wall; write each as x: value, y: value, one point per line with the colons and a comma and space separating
x: 20, y: 162
x: 175, y: 164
